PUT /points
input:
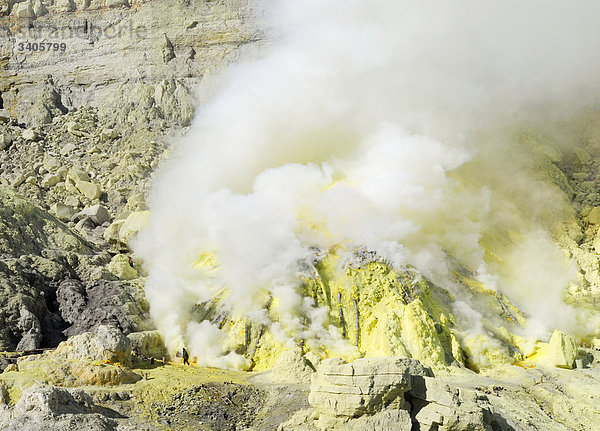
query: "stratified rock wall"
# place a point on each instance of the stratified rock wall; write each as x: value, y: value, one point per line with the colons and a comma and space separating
x: 135, y: 60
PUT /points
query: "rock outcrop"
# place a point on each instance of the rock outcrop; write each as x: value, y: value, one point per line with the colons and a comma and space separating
x: 86, y: 306
x: 391, y: 394
x: 88, y: 359
x: 55, y: 409
x: 362, y: 387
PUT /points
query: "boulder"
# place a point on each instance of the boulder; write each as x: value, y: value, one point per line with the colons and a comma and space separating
x: 120, y: 267
x: 108, y: 344
x: 64, y: 6
x: 561, y: 352
x: 50, y: 401
x: 23, y: 10
x: 50, y: 180
x: 112, y: 232
x: 29, y: 135
x: 88, y: 189
x: 97, y: 213
x: 149, y: 343
x: 117, y: 3
x: 134, y: 223
x: 43, y: 407
x: 39, y: 8
x: 62, y: 212
x: 365, y: 386
x: 594, y: 216
x: 5, y: 140
x: 292, y: 367
x: 18, y: 180
x: 78, y: 175
x: 438, y: 405
x: 108, y: 134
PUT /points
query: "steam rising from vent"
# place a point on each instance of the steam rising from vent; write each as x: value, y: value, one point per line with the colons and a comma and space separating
x: 389, y: 125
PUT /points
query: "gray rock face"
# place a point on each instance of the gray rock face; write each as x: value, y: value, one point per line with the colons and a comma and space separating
x: 50, y: 401
x: 32, y: 331
x: 438, y: 405
x: 54, y: 409
x: 38, y: 307
x: 29, y: 319
x: 86, y: 307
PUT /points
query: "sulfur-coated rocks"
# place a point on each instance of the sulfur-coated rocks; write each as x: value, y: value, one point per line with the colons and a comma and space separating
x: 120, y: 267
x: 148, y: 343
x: 561, y: 351
x: 292, y: 367
x: 5, y: 140
x: 108, y: 343
x: 135, y: 222
x: 88, y: 189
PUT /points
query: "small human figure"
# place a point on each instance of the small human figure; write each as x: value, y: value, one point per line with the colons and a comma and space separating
x: 152, y: 361
x: 186, y: 357
x: 130, y: 261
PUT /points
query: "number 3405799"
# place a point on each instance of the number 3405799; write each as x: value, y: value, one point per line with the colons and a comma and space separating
x: 42, y: 46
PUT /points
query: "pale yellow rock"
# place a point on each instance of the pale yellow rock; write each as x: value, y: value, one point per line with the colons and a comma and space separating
x: 483, y: 352
x: 62, y: 211
x: 50, y: 180
x: 596, y: 243
x: 23, y: 10
x: 561, y: 351
x: 364, y: 386
x: 111, y: 234
x: 107, y: 344
x: 149, y: 343
x: 133, y: 224
x: 78, y: 175
x: 594, y: 216
x: 119, y: 266
x: 89, y: 190
x: 70, y: 186
x: 292, y: 367
x: 79, y: 372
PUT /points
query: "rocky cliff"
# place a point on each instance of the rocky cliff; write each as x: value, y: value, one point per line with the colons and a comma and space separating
x: 82, y: 127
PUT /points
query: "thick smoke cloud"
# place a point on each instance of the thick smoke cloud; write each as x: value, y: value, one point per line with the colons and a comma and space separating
x: 384, y: 124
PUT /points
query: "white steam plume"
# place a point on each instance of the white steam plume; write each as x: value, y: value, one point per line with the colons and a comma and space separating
x: 362, y: 125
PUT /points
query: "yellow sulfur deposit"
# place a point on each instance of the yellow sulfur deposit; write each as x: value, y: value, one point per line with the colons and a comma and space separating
x: 377, y: 310
x: 560, y: 352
